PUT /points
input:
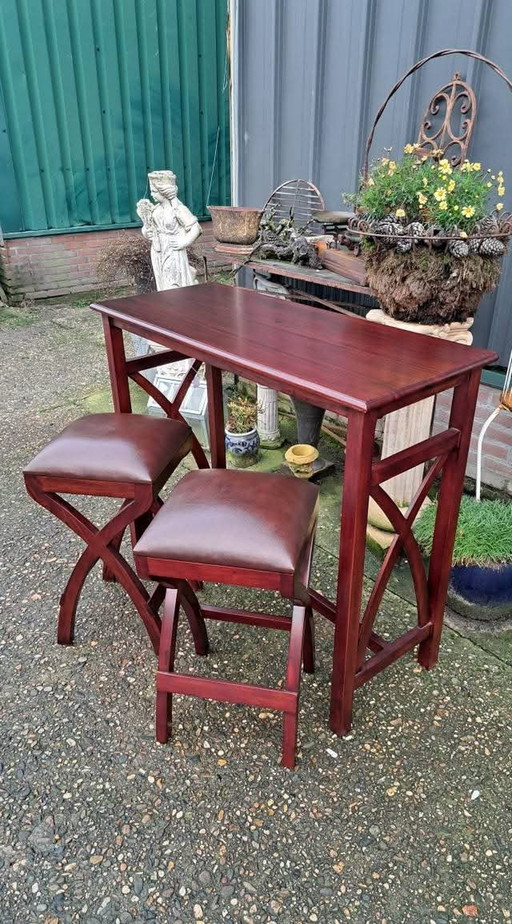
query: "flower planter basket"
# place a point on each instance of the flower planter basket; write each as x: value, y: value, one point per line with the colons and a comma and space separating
x: 418, y: 270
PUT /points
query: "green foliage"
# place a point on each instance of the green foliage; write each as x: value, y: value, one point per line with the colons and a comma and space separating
x: 430, y: 191
x: 484, y: 531
x: 13, y: 317
x: 242, y: 415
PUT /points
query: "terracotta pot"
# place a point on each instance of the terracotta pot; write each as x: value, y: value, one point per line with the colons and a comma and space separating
x: 235, y: 225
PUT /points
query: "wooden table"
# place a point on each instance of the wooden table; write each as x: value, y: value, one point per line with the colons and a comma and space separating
x: 362, y: 371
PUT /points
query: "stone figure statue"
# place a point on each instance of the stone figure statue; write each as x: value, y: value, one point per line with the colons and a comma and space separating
x: 171, y: 228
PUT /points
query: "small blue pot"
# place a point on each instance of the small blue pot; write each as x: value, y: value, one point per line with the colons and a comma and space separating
x: 243, y: 448
x: 481, y: 591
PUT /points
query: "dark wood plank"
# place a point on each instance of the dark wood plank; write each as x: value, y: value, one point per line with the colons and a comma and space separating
x: 320, y: 277
x: 216, y: 417
x: 227, y: 691
x: 356, y: 485
x: 327, y: 358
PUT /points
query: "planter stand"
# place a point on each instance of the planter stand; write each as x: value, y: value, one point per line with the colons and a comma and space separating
x: 406, y: 427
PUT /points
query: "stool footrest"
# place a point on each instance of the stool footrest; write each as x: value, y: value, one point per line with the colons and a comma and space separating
x: 264, y: 620
x: 227, y: 691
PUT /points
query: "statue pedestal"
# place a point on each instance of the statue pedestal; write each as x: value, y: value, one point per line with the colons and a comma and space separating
x: 408, y: 426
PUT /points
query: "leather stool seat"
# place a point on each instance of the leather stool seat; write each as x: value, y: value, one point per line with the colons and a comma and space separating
x: 246, y: 520
x: 233, y: 527
x: 113, y: 447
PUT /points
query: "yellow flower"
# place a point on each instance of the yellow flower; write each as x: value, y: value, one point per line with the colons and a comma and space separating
x: 489, y: 184
x: 444, y: 167
x: 499, y: 206
x: 410, y: 148
x: 500, y: 173
x: 451, y: 186
x: 384, y: 160
x: 443, y: 205
x: 400, y: 213
x: 493, y: 177
x: 468, y: 211
x: 391, y: 167
x: 425, y: 181
x: 440, y: 193
x: 476, y: 166
x: 371, y: 181
x: 421, y: 198
x: 463, y: 233
x: 455, y: 208
x: 501, y: 190
x: 466, y: 167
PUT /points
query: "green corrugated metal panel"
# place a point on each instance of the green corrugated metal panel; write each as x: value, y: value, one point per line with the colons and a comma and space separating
x: 94, y: 94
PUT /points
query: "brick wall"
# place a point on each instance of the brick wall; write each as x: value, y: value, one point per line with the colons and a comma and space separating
x: 58, y: 264
x: 55, y: 264
x: 497, y: 447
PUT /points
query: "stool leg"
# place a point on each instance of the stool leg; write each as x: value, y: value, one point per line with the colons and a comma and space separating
x: 308, y: 656
x: 192, y: 609
x: 292, y: 684
x: 71, y: 595
x: 166, y: 656
x: 107, y: 574
x: 138, y: 529
x: 98, y: 543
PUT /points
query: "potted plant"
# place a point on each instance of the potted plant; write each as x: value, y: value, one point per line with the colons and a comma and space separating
x: 433, y: 235
x: 242, y: 438
x: 481, y: 574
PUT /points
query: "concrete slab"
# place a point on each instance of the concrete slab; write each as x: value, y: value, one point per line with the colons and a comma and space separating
x: 407, y: 819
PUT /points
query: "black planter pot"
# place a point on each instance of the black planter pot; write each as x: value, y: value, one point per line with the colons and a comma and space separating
x: 483, y: 592
x: 309, y: 421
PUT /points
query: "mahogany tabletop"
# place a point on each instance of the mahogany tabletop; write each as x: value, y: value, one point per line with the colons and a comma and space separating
x: 337, y: 362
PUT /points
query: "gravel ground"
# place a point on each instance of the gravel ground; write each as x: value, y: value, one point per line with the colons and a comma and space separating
x: 407, y: 819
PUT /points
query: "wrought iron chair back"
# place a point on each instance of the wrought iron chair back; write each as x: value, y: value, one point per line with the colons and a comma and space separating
x: 297, y: 199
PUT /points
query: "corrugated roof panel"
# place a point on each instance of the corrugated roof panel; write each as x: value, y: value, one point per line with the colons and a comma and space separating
x: 94, y: 94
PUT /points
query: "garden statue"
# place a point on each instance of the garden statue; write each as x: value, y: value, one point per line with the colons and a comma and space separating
x: 171, y: 228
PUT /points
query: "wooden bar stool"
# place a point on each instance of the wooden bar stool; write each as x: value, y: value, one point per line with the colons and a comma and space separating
x: 244, y: 528
x: 128, y: 456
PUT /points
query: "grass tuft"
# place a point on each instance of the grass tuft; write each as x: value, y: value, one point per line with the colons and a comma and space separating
x: 484, y: 531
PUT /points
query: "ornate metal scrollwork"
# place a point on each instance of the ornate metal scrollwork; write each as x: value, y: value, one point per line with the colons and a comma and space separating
x: 448, y: 121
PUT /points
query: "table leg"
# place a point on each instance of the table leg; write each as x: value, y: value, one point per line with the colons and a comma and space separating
x: 116, y: 358
x: 216, y: 417
x: 462, y: 414
x: 356, y: 487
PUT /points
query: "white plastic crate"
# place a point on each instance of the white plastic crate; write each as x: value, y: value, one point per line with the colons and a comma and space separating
x: 194, y: 405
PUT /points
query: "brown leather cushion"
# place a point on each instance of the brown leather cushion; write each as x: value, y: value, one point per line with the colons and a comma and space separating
x: 227, y: 517
x: 114, y: 447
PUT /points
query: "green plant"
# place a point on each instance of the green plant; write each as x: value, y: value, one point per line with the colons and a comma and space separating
x: 428, y: 189
x: 484, y: 531
x: 242, y: 415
